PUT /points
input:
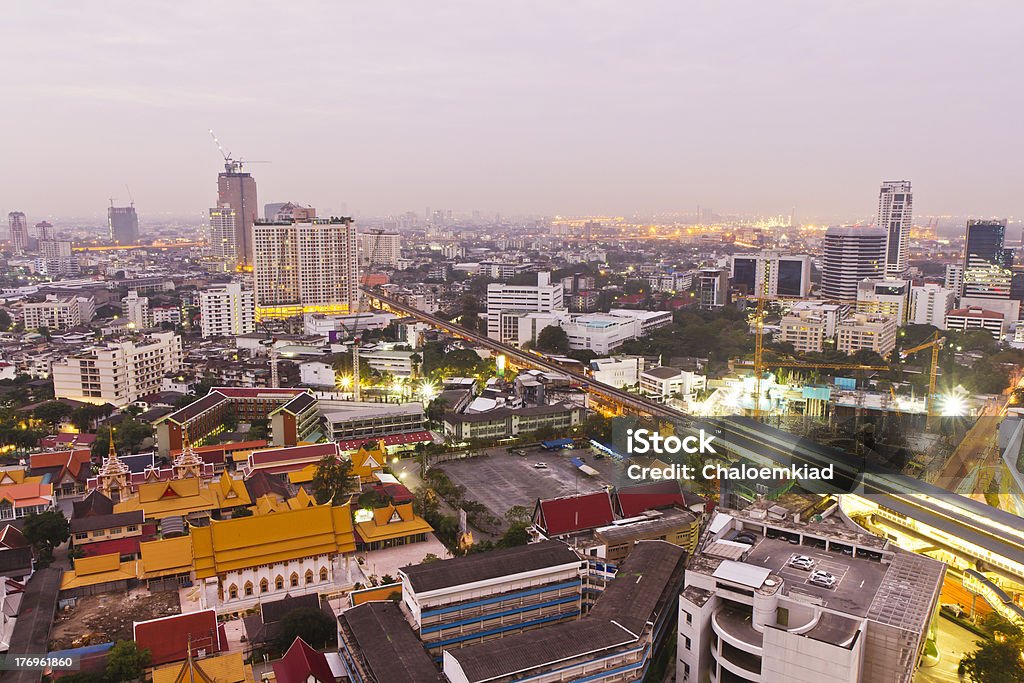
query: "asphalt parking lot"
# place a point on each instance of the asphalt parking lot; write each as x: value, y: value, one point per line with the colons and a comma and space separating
x: 857, y: 579
x: 500, y: 480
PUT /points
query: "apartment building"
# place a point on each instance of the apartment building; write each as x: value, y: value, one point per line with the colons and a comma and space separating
x: 930, y: 304
x: 806, y: 330
x: 227, y: 311
x: 886, y: 297
x: 866, y: 332
x: 58, y: 312
x: 663, y: 383
x: 120, y: 372
x: 544, y: 297
x: 136, y: 310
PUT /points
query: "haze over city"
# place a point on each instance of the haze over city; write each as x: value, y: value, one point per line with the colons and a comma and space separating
x: 568, y: 108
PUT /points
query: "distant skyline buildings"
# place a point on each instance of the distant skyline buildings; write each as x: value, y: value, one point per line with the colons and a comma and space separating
x: 122, y: 224
x: 18, y: 226
x: 895, y: 215
x: 851, y: 254
x: 237, y: 189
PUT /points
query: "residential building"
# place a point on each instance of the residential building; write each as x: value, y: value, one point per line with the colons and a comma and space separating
x: 227, y: 311
x: 885, y: 297
x: 58, y: 312
x: 583, y: 301
x: 618, y: 640
x: 394, y: 363
x: 223, y: 247
x: 122, y: 224
x: 120, y: 372
x: 452, y: 603
x: 237, y: 190
x: 830, y: 313
x: 851, y: 254
x: 19, y: 232
x: 988, y: 269
x: 379, y: 248
x: 772, y: 274
x: 288, y: 211
x: 166, y: 314
x: 663, y: 383
x: 712, y: 287
x: 806, y: 330
x: 862, y: 331
x: 746, y: 615
x: 974, y: 318
x: 954, y: 278
x: 56, y: 258
x: 309, y: 267
x: 618, y: 372
x: 930, y: 304
x: 544, y: 297
x: 895, y: 215
x: 136, y: 310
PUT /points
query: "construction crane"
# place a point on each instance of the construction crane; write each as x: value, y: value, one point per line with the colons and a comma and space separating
x: 935, y: 343
x: 232, y: 165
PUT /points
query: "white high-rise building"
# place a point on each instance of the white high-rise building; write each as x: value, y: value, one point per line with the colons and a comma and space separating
x: 888, y: 297
x: 227, y: 311
x: 56, y: 257
x: 306, y: 267
x: 954, y: 278
x: 863, y: 332
x: 895, y: 211
x: 118, y: 373
x: 19, y: 232
x: 930, y: 304
x: 222, y: 236
x: 136, y: 309
x: 851, y: 254
x: 544, y: 297
x: 772, y: 274
x: 379, y: 248
x: 58, y: 312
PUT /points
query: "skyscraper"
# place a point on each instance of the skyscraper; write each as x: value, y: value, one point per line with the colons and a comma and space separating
x: 19, y: 232
x: 123, y: 224
x: 895, y: 210
x: 308, y: 267
x: 238, y: 190
x: 222, y: 237
x: 987, y: 269
x: 851, y: 254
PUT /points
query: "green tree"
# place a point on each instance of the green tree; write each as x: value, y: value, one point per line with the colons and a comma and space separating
x: 128, y: 438
x: 52, y: 413
x: 46, y: 529
x: 5, y: 320
x: 553, y: 339
x: 126, y: 662
x: 995, y: 661
x: 332, y: 480
x: 84, y: 417
x: 519, y: 514
x: 435, y: 410
x: 312, y: 625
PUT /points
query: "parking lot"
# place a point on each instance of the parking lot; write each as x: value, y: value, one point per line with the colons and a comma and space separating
x: 857, y: 579
x: 500, y: 480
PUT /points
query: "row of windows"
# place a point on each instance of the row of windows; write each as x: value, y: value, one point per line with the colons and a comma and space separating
x: 293, y: 581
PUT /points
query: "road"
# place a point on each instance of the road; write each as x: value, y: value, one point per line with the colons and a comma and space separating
x: 32, y: 630
x: 953, y: 642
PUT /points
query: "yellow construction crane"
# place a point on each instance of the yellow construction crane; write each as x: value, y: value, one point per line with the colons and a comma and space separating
x: 935, y: 343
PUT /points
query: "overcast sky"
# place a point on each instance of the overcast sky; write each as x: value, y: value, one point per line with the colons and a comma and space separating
x: 520, y: 107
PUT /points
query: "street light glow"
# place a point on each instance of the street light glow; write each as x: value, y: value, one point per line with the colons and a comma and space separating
x: 953, y: 405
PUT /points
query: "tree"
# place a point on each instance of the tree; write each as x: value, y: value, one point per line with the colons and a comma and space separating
x: 332, y: 480
x: 126, y: 662
x: 553, y: 339
x: 5, y: 320
x: 308, y: 623
x: 519, y: 514
x: 52, y: 413
x: 46, y: 529
x: 128, y: 438
x: 84, y: 417
x: 995, y: 661
x: 435, y: 410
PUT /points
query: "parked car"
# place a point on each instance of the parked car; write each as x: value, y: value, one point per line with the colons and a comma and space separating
x: 801, y: 562
x: 744, y: 537
x: 540, y: 465
x: 823, y: 579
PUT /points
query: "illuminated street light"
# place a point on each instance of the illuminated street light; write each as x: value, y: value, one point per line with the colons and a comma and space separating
x: 953, y: 405
x: 428, y: 390
x: 345, y: 381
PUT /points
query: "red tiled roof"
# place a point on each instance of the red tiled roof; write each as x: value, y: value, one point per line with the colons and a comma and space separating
x: 253, y: 392
x: 635, y: 500
x: 975, y: 313
x: 71, y: 461
x: 300, y: 662
x: 11, y: 537
x: 67, y: 439
x: 574, y: 513
x: 390, y: 440
x: 121, y: 546
x: 167, y: 638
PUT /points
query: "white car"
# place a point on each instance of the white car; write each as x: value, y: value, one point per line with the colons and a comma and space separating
x: 801, y: 562
x: 540, y: 466
x: 823, y: 579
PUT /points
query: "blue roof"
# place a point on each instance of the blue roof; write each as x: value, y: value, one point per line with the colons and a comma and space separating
x: 557, y: 443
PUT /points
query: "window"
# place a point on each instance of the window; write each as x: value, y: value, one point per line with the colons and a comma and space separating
x: 689, y: 617
x: 233, y: 592
x: 81, y: 536
x: 248, y: 588
x: 686, y: 642
x: 264, y: 586
x: 323, y: 573
x: 131, y: 528
x: 115, y: 530
x: 309, y: 576
x: 294, y: 580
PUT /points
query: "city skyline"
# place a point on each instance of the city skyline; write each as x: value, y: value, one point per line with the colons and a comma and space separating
x: 650, y: 111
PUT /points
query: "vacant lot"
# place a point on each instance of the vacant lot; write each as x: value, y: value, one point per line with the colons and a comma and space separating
x: 106, y: 618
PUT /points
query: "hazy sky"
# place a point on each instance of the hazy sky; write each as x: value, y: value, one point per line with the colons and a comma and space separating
x: 519, y: 107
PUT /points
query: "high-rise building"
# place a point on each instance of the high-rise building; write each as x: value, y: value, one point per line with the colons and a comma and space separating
x: 772, y: 274
x: 222, y: 237
x: 308, y: 267
x: 44, y: 230
x: 378, y: 248
x: 866, y: 332
x: 227, y: 311
x: 851, y: 254
x: 19, y: 232
x: 888, y: 297
x: 136, y: 309
x: 58, y: 312
x: 56, y: 257
x: 988, y: 267
x: 895, y: 212
x: 288, y: 211
x: 120, y: 372
x: 122, y: 224
x: 954, y: 278
x: 930, y: 304
x: 713, y: 287
x: 544, y: 297
x: 237, y: 189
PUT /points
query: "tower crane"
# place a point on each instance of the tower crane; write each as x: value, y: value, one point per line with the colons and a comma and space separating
x: 935, y: 343
x: 232, y: 165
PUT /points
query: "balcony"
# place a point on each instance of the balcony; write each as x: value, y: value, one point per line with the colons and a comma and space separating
x: 733, y: 625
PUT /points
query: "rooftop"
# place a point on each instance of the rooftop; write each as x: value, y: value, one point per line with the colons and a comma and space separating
x: 387, y: 643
